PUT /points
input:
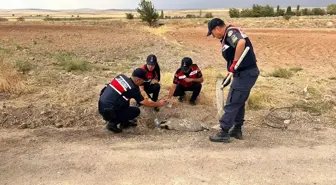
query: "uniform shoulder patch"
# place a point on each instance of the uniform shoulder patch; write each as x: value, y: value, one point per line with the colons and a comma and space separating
x: 230, y: 33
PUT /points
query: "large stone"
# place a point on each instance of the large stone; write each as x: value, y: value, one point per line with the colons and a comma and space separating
x: 330, y: 24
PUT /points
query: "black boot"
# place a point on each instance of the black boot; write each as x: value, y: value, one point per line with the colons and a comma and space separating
x: 113, y: 127
x: 181, y: 99
x: 222, y: 136
x: 127, y: 124
x: 236, y: 132
x: 192, y: 102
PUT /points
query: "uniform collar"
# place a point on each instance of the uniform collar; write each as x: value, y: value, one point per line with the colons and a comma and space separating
x: 226, y: 29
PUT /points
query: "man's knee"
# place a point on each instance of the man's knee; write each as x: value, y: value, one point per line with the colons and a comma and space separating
x: 156, y: 87
x: 198, y: 86
x: 136, y: 111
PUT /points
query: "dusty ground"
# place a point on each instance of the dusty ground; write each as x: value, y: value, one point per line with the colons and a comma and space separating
x: 92, y: 156
x: 47, y: 96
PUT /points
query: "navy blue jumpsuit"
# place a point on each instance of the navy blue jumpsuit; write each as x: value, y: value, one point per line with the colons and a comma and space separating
x: 243, y: 79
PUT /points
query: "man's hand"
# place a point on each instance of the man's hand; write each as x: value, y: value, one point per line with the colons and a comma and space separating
x: 232, y: 67
x: 161, y: 103
x: 189, y: 80
x: 154, y: 81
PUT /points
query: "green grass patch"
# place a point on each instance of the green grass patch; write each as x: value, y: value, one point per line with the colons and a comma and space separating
x: 23, y: 66
x: 69, y: 62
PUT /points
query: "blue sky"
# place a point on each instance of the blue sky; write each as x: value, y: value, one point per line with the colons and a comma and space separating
x: 159, y: 4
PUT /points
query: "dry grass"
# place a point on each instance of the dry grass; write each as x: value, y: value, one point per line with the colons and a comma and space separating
x: 10, y: 79
x: 160, y: 31
x: 258, y: 100
x: 296, y: 69
x: 281, y: 73
x: 315, y: 107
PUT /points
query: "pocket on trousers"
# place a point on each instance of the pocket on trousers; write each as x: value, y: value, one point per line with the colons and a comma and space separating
x: 254, y: 72
x: 238, y: 96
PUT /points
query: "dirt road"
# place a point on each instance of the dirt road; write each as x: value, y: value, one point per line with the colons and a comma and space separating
x: 93, y: 156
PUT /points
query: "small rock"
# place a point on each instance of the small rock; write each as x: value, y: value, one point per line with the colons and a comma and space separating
x: 287, y: 122
x: 31, y: 58
x: 23, y: 126
x: 58, y: 125
x: 330, y: 24
x: 86, y: 78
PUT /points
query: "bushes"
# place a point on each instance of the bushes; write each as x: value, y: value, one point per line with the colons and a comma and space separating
x: 287, y: 17
x: 23, y: 66
x: 306, y: 11
x: 256, y: 11
x: 318, y: 11
x: 246, y: 13
x: 281, y: 12
x: 331, y: 9
x: 189, y: 16
x: 129, y: 16
x: 21, y: 19
x: 234, y: 13
x: 268, y: 11
x: 208, y: 15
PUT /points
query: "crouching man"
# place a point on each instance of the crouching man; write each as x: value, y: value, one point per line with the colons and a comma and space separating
x: 114, y: 102
x: 187, y: 78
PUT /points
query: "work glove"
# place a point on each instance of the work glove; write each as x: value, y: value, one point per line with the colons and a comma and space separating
x: 232, y: 69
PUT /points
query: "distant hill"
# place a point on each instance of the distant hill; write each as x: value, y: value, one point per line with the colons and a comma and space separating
x: 120, y: 10
x: 37, y: 9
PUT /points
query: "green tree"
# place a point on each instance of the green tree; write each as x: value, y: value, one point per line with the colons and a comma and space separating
x: 234, y: 13
x: 267, y: 11
x: 281, y: 12
x: 246, y: 13
x: 161, y: 16
x: 289, y: 10
x: 147, y: 12
x: 331, y: 9
x: 318, y: 11
x: 298, y: 13
x: 278, y: 8
x: 256, y: 10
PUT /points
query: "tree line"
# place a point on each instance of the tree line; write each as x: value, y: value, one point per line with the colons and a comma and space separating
x: 269, y: 11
